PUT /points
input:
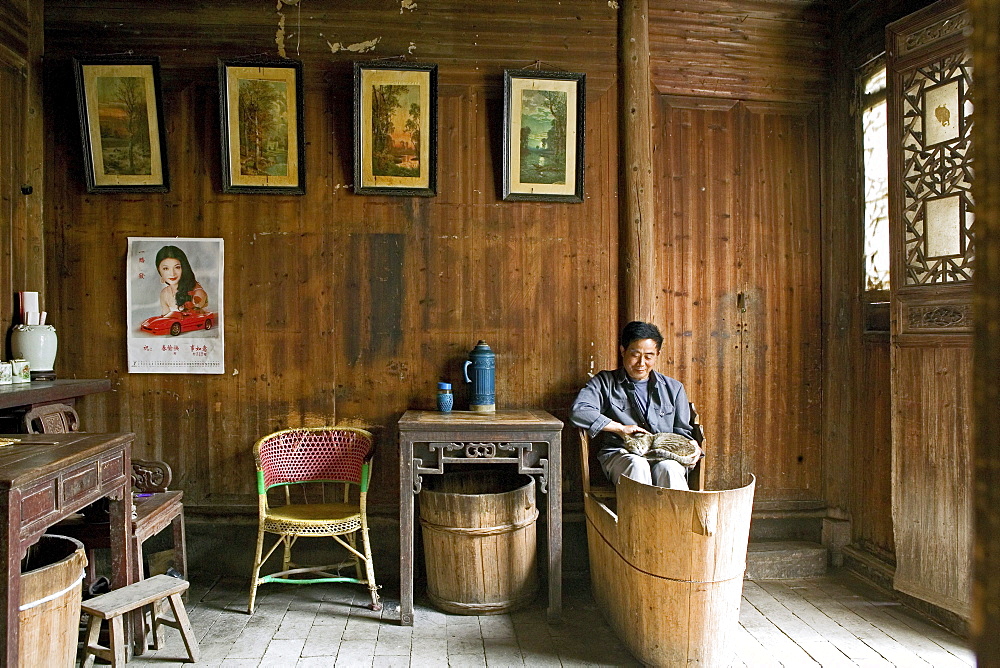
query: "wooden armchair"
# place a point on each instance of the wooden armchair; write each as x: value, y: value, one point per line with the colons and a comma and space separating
x: 51, y: 419
x: 596, y: 483
x: 155, y: 506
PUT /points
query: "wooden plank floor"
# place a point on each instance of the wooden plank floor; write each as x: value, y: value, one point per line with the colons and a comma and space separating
x: 828, y: 621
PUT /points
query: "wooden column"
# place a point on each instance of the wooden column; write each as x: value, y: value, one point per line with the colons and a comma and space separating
x: 636, y: 202
x: 985, y: 626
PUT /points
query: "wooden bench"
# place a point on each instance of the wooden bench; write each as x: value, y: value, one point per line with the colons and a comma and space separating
x: 113, y: 605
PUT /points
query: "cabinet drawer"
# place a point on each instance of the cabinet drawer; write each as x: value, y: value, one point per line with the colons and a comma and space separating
x: 81, y: 481
x: 113, y: 468
x: 38, y: 500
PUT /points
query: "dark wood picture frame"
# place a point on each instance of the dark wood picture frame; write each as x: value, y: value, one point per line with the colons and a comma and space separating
x: 384, y: 165
x: 543, y: 163
x: 262, y: 151
x: 121, y: 123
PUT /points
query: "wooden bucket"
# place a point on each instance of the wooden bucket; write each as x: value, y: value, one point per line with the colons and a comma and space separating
x: 478, y: 530
x: 667, y: 570
x: 51, y: 591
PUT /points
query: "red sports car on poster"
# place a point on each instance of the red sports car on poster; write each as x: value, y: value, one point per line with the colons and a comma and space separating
x: 176, y: 322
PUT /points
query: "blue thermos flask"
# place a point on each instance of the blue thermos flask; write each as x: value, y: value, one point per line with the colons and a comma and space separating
x: 480, y: 371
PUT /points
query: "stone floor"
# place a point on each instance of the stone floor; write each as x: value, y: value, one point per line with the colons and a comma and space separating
x: 833, y: 620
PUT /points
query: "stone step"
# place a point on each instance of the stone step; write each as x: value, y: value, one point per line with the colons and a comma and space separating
x: 785, y: 559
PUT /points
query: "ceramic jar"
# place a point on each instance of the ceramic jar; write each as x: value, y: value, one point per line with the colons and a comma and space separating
x: 37, y: 344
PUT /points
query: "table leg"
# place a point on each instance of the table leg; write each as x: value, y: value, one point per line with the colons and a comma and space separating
x: 180, y: 546
x: 120, y: 512
x: 138, y: 621
x: 555, y: 530
x: 10, y: 559
x: 406, y: 533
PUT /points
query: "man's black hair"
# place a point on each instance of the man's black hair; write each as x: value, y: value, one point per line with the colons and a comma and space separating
x: 637, y: 330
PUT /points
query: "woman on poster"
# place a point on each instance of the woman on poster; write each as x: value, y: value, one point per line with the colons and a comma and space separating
x: 181, y: 291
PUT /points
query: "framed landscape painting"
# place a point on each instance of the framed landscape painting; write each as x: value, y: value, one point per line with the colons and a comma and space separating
x: 261, y: 126
x: 121, y: 123
x: 395, y: 129
x: 543, y: 136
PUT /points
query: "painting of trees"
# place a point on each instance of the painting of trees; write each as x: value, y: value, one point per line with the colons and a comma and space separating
x: 395, y: 114
x: 263, y: 127
x: 124, y: 124
x: 543, y: 136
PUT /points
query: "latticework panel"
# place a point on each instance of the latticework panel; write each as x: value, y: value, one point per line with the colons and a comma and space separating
x: 308, y: 454
x: 937, y: 172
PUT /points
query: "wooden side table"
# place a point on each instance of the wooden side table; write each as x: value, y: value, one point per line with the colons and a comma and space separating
x: 19, y: 398
x: 530, y: 439
x: 44, y: 478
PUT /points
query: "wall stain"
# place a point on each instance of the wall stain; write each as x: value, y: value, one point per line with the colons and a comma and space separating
x: 359, y: 47
x: 279, y: 34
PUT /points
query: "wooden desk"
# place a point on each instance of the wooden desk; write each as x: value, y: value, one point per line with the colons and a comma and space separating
x: 529, y: 438
x: 45, y: 478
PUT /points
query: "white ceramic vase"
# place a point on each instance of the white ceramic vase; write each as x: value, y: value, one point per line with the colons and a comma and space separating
x: 35, y: 343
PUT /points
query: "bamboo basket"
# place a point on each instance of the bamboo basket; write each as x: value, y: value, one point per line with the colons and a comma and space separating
x: 51, y: 592
x: 478, y: 531
x: 667, y: 570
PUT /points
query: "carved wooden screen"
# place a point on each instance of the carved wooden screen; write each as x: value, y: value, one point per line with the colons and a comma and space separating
x: 937, y: 171
x: 933, y: 253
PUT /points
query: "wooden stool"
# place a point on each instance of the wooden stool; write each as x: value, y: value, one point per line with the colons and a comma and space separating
x: 113, y: 605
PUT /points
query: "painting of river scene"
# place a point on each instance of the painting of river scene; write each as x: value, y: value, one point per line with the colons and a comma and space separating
x: 118, y: 99
x: 395, y: 129
x: 543, y: 136
x: 261, y: 115
x: 263, y: 127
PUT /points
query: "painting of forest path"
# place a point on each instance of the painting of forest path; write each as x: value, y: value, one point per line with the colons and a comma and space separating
x: 123, y: 118
x: 543, y: 136
x: 263, y: 127
x: 395, y: 114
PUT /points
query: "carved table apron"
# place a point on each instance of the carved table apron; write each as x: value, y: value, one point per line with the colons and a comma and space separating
x: 46, y: 477
x: 528, y: 438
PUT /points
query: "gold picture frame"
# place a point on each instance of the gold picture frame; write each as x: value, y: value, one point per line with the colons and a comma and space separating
x: 121, y: 123
x: 261, y: 126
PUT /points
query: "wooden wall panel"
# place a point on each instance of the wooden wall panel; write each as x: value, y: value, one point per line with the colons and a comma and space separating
x: 339, y: 307
x: 740, y: 235
x: 870, y: 463
x: 932, y: 470
x: 471, y: 42
x: 744, y: 50
x: 782, y: 363
x: 22, y: 258
x: 700, y: 256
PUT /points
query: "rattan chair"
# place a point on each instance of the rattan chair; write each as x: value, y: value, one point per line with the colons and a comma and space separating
x: 305, y: 460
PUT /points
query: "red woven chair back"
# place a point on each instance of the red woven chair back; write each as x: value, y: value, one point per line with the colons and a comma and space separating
x: 313, y: 454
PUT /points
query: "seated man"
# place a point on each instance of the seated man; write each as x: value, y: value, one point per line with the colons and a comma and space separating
x: 635, y: 399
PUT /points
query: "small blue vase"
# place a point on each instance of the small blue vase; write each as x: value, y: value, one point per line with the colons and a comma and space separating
x: 445, y: 399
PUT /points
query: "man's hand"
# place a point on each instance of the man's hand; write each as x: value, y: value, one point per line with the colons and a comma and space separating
x: 624, y: 429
